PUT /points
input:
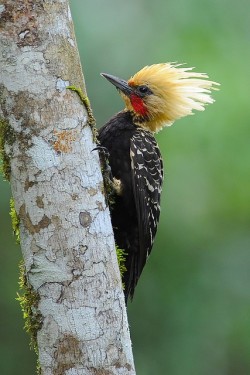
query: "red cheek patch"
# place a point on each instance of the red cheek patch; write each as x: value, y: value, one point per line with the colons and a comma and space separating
x: 138, y: 105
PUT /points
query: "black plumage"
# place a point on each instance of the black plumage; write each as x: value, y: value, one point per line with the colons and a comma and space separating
x: 135, y: 160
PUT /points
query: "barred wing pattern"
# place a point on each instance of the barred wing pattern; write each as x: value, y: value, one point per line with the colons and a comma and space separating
x: 147, y: 178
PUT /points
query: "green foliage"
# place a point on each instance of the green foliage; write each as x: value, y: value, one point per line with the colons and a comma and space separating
x: 14, y: 220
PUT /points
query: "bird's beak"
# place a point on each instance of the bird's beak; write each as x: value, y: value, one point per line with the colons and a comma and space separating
x: 119, y: 83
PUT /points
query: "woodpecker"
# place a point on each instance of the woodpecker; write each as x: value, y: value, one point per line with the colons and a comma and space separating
x: 154, y: 97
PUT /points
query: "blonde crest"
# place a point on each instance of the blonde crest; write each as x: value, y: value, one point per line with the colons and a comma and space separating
x: 177, y: 91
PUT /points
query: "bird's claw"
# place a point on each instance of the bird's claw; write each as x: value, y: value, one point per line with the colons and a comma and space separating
x: 103, y: 151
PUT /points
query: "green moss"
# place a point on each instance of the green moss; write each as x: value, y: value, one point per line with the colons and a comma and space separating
x: 38, y: 368
x: 14, y: 220
x: 121, y: 257
x: 29, y: 299
x: 86, y: 102
x: 7, y: 136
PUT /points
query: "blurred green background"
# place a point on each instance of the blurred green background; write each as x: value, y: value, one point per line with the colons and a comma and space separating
x: 191, y: 312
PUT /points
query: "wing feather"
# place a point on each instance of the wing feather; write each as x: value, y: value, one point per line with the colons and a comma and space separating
x: 147, y: 178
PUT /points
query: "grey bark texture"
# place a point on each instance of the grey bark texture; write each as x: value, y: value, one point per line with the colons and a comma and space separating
x: 66, y: 234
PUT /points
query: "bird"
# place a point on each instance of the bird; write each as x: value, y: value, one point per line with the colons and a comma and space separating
x: 155, y: 97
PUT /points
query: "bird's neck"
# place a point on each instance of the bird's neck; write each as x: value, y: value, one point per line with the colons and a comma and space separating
x: 145, y: 122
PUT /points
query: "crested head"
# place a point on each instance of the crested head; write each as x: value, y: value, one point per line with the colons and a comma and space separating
x: 161, y: 93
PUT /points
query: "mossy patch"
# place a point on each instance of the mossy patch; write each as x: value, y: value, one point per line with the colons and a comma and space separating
x: 29, y: 299
x: 7, y: 136
x: 121, y: 258
x: 14, y: 220
x: 86, y: 102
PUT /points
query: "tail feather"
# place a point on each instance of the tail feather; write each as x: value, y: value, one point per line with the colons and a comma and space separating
x: 131, y: 276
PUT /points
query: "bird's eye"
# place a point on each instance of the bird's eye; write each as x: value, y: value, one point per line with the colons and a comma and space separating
x: 143, y: 89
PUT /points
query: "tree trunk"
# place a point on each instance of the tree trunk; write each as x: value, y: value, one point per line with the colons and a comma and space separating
x: 67, y: 243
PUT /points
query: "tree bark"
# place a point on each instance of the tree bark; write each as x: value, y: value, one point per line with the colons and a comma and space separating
x: 66, y: 235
